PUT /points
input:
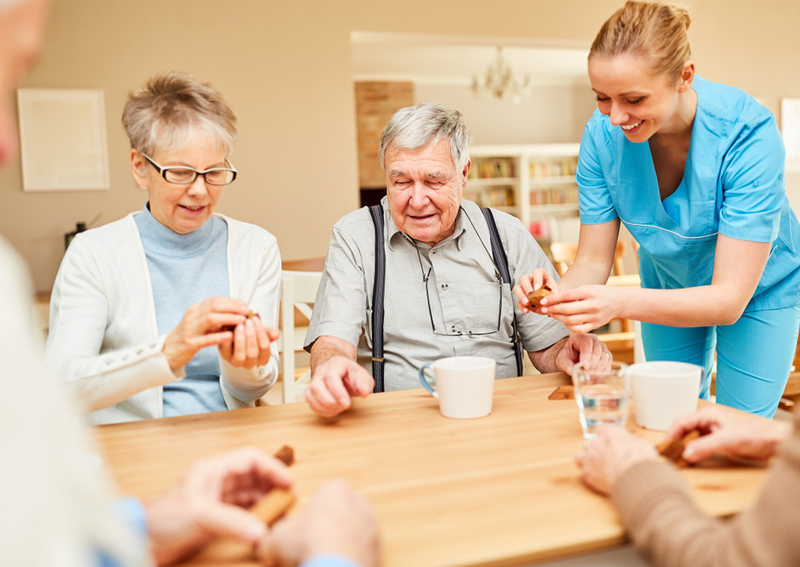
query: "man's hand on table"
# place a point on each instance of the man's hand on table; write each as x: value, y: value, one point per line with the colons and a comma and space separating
x: 337, y: 521
x: 333, y: 384
x: 729, y: 433
x: 611, y: 453
x: 585, y: 348
x: 212, y: 499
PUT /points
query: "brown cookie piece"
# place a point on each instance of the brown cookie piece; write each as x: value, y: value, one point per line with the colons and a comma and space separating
x: 231, y: 328
x: 285, y: 454
x: 278, y: 500
x: 673, y: 450
x: 562, y: 393
x: 535, y: 297
x: 273, y: 506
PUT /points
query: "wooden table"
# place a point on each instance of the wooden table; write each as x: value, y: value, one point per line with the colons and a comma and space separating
x: 307, y: 265
x: 502, y: 490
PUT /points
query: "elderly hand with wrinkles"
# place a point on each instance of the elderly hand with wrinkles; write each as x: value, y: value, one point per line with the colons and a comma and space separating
x: 203, y: 325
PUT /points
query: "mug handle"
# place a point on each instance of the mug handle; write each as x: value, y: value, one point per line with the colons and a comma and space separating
x: 425, y: 382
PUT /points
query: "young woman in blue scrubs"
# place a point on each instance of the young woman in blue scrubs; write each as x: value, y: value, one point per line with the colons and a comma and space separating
x: 694, y: 170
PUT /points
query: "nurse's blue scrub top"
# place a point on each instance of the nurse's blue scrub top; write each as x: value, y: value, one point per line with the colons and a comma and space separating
x: 733, y: 185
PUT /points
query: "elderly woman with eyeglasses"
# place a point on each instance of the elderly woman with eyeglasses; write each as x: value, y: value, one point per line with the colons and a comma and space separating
x: 154, y: 315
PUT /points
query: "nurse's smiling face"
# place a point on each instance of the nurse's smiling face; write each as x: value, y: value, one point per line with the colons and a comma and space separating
x: 640, y: 101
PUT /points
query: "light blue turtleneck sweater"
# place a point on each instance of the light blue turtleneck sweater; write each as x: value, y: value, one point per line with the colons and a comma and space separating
x: 186, y: 269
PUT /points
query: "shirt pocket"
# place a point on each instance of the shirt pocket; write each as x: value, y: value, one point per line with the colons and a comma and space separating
x: 469, y: 307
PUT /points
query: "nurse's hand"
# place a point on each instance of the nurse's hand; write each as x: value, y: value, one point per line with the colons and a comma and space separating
x: 250, y: 345
x: 201, y: 326
x: 585, y: 308
x: 530, y: 283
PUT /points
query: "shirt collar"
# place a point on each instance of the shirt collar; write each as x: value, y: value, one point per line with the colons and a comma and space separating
x: 394, y: 235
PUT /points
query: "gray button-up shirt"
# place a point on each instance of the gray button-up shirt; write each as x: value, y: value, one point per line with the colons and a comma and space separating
x: 464, y: 294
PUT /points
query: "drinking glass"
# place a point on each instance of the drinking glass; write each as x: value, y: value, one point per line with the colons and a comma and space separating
x: 602, y: 392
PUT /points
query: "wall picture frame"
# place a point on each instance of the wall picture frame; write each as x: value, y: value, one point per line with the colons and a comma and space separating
x: 63, y: 144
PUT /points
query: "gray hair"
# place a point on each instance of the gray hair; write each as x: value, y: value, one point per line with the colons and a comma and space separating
x: 170, y: 110
x: 414, y: 126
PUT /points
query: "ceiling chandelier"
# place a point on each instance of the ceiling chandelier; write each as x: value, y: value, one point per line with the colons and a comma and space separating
x: 501, y: 82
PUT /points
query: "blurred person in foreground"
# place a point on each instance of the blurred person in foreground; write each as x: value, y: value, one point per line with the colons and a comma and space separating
x: 656, y: 506
x: 56, y: 508
x: 149, y: 314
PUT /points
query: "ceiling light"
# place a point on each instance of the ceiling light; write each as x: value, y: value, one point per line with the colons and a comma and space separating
x: 501, y: 82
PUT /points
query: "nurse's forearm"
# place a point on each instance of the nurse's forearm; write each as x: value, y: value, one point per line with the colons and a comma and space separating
x: 738, y: 267
x: 584, y: 273
x: 592, y: 265
x: 689, y: 307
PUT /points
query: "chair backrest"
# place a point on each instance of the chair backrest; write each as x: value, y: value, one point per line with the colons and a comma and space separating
x: 564, y: 253
x: 298, y: 291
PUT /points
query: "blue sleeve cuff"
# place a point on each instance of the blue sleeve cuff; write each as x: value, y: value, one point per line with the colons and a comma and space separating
x: 329, y: 560
x: 132, y: 511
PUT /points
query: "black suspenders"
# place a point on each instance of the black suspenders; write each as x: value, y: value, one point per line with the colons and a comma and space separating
x: 377, y: 298
x: 500, y: 259
x: 499, y: 254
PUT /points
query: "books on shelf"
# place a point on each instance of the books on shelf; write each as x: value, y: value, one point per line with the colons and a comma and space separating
x: 493, y: 168
x: 491, y: 196
x: 557, y: 167
x: 532, y: 181
x: 555, y: 196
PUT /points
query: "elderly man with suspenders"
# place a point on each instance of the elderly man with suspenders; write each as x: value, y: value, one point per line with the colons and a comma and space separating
x: 426, y: 275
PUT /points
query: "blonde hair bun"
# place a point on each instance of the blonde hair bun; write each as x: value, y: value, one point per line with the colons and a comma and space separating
x: 653, y: 29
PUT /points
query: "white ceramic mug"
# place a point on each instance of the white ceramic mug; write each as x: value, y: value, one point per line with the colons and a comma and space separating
x: 464, y: 385
x: 663, y: 391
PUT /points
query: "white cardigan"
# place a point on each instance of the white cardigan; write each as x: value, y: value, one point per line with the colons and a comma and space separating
x: 103, y: 336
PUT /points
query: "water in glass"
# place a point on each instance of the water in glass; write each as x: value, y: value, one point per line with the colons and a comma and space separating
x: 601, y: 404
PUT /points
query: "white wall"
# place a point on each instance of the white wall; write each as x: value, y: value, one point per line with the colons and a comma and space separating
x: 793, y: 191
x: 286, y: 70
x: 552, y: 114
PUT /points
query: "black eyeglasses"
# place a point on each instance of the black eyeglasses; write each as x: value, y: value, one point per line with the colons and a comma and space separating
x: 426, y: 277
x: 182, y: 175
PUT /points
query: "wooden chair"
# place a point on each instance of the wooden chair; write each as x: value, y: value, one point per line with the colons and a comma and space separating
x: 298, y: 292
x: 791, y: 395
x: 564, y: 253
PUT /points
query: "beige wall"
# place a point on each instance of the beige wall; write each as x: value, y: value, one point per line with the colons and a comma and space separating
x: 285, y: 69
x: 551, y: 114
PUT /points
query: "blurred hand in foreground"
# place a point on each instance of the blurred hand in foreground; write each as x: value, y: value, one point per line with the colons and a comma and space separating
x: 337, y: 521
x: 729, y: 433
x: 212, y: 500
x: 610, y: 454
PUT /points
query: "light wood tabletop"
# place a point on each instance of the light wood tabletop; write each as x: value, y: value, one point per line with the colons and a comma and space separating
x: 497, y: 491
x: 307, y: 265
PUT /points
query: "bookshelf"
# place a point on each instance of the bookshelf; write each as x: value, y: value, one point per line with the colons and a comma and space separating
x: 535, y: 182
